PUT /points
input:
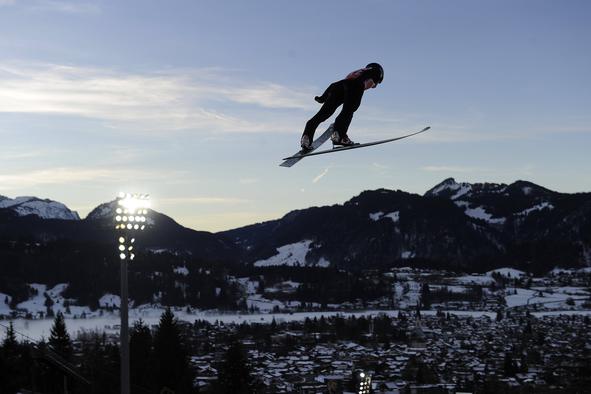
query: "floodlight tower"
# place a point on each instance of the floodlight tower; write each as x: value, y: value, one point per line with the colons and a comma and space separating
x: 130, y: 218
x: 364, y: 383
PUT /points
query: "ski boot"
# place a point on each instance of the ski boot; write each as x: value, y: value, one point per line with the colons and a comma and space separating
x: 337, y: 140
x: 305, y: 143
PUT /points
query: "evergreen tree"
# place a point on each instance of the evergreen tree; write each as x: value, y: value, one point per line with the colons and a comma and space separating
x: 499, y: 315
x: 9, y: 344
x: 140, y: 354
x: 170, y: 357
x: 234, y: 375
x: 59, y: 343
x: 11, y: 368
x: 426, y: 296
x: 509, y: 366
x: 59, y: 339
x: 100, y: 363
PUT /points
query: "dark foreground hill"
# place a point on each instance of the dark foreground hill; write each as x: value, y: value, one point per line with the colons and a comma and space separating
x: 162, y: 233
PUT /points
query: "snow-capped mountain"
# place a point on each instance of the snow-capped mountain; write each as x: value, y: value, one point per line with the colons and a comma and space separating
x: 45, y: 209
x: 103, y: 211
x: 496, y: 203
x: 449, y: 188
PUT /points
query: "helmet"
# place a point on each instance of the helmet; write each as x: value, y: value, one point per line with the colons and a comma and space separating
x: 377, y: 72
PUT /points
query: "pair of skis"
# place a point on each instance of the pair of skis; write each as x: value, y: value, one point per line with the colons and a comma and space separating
x: 290, y: 161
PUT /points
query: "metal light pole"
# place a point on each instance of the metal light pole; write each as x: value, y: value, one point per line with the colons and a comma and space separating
x: 130, y: 218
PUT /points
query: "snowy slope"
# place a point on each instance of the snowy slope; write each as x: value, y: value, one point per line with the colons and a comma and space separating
x: 5, y: 303
x: 537, y: 207
x: 105, y: 210
x: 45, y: 209
x: 36, y: 305
x: 291, y: 255
x: 395, y: 216
x: 451, y: 188
x: 482, y: 214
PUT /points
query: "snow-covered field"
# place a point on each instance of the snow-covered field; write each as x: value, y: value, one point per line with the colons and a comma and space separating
x: 507, y: 272
x: 487, y: 279
x: 5, y: 304
x: 450, y: 288
x: 406, y: 291
x: 555, y: 298
x: 474, y: 280
x: 407, y: 254
x: 37, y: 329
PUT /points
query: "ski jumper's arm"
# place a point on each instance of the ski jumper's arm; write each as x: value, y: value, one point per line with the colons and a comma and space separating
x: 367, y: 83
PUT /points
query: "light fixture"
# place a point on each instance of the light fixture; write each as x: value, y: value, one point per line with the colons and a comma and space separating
x: 131, y: 210
x: 364, y: 383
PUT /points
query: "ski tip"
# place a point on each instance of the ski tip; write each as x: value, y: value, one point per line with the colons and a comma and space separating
x: 426, y: 128
x: 298, y: 156
x: 286, y: 164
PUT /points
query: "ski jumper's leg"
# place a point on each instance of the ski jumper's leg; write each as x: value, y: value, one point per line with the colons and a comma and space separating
x: 353, y: 92
x: 334, y: 98
x: 322, y: 99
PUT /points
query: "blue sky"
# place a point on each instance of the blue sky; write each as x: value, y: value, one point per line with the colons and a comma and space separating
x: 196, y: 102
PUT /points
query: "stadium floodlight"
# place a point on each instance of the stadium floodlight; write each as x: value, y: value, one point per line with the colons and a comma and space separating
x: 364, y: 383
x: 130, y: 218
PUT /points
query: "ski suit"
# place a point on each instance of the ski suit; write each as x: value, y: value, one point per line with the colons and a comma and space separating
x: 347, y: 92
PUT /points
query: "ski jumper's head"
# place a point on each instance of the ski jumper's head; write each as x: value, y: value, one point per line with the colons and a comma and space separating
x: 371, y: 75
x: 375, y: 72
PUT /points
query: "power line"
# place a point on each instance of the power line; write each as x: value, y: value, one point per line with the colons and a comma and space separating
x: 56, y: 358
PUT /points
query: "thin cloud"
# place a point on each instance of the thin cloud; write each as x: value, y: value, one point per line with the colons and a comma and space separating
x: 66, y: 175
x: 52, y: 176
x: 248, y: 181
x: 269, y: 95
x: 321, y: 175
x: 528, y: 169
x: 156, y: 101
x: 575, y: 129
x: 14, y: 154
x: 68, y: 7
x: 202, y: 200
x: 460, y: 169
x: 441, y: 131
x: 379, y: 166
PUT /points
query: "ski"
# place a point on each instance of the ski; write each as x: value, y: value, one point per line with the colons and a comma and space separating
x: 290, y: 161
x: 301, y: 156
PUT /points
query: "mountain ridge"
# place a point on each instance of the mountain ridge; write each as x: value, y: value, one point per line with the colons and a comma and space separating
x: 468, y: 226
x: 43, y: 208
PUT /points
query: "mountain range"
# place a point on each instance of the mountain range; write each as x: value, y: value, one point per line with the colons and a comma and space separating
x: 460, y: 226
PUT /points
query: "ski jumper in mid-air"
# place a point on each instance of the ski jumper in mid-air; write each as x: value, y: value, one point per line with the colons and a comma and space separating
x: 347, y: 92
